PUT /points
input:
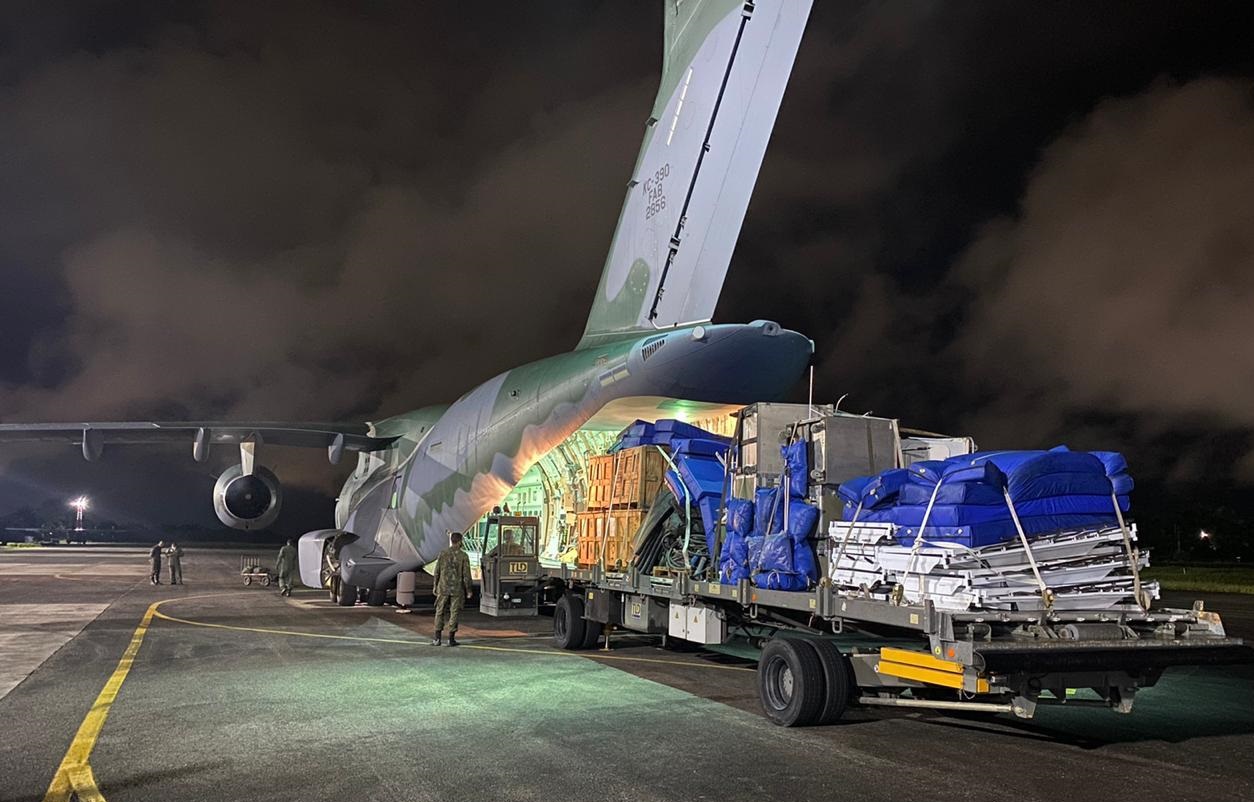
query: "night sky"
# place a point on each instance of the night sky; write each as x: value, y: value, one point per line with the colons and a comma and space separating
x: 1031, y: 223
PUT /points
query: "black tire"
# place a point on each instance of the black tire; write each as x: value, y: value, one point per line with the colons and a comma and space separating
x: 569, y: 627
x: 346, y: 593
x: 838, y: 684
x: 248, y: 580
x: 265, y: 581
x: 377, y: 597
x: 790, y: 682
x: 591, y: 634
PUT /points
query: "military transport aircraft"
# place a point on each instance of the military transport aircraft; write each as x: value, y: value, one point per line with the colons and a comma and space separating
x: 648, y: 346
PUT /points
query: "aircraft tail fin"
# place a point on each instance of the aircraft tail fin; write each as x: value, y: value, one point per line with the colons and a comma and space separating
x: 724, y: 68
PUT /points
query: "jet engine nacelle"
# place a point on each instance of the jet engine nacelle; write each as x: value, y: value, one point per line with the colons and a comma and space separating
x: 247, y: 502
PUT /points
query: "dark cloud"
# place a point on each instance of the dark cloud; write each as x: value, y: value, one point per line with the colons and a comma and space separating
x: 1020, y: 221
x: 1125, y: 279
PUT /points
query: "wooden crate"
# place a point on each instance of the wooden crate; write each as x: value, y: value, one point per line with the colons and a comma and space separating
x: 600, y: 475
x: 637, y: 476
x: 613, y: 533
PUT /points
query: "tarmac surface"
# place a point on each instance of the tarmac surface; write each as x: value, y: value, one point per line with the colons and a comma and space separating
x: 111, y: 688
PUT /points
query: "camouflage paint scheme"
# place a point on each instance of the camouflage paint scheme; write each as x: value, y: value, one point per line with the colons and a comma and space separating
x: 459, y: 461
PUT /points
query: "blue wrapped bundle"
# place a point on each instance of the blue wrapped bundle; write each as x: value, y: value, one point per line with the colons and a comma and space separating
x: 733, y: 562
x: 776, y: 554
x: 797, y: 466
x: 740, y: 516
x: 753, y: 544
x: 671, y: 429
x: 876, y: 494
x: 768, y: 511
x: 883, y: 515
x: 698, y: 447
x: 1051, y: 490
x: 961, y: 514
x: 850, y: 492
x: 802, y: 518
x: 954, y: 483
x: 780, y: 580
x: 787, y: 559
x: 986, y: 534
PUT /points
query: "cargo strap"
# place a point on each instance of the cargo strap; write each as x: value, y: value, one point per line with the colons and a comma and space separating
x: 609, y: 508
x: 848, y: 534
x: 1134, y: 555
x: 1047, y: 595
x: 918, y: 541
x: 687, y: 505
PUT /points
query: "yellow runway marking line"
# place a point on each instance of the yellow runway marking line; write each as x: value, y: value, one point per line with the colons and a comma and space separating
x: 74, y: 775
x: 74, y: 778
x: 480, y: 647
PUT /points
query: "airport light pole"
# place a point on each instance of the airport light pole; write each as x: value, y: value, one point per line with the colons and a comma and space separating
x: 79, y: 504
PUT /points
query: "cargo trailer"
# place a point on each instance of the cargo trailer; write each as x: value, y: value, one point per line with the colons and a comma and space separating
x: 1077, y: 629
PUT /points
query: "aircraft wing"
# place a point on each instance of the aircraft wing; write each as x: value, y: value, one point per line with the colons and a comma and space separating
x: 93, y: 436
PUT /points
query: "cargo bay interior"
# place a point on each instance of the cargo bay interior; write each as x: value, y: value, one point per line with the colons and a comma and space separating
x: 589, y: 502
x: 592, y: 493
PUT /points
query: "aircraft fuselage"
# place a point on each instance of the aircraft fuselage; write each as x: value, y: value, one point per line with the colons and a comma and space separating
x: 453, y: 464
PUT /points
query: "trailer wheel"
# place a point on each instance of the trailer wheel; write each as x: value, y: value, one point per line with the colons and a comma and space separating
x: 790, y: 682
x: 248, y: 580
x: 346, y: 594
x: 838, y: 685
x: 265, y: 581
x: 377, y: 597
x: 569, y: 627
x: 591, y: 634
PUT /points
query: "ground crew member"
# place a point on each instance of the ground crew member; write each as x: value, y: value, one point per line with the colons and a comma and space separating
x: 284, y: 566
x: 453, y: 586
x: 154, y: 563
x: 175, y: 553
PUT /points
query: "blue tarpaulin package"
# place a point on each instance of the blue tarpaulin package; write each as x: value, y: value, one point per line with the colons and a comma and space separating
x: 734, y: 561
x: 781, y: 580
x: 964, y: 498
x: 753, y: 547
x: 776, y: 554
x: 802, y: 519
x: 797, y: 466
x: 885, y: 487
x: 768, y: 514
x: 787, y: 561
x: 960, y: 514
x: 851, y: 491
x: 740, y: 516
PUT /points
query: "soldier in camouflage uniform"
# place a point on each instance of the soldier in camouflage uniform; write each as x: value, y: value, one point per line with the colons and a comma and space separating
x: 453, y: 586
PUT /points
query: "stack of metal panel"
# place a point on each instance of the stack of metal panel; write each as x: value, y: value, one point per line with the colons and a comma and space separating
x: 1085, y: 569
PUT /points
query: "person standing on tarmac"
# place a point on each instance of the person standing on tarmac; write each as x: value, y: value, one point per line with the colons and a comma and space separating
x: 154, y: 563
x: 284, y: 566
x: 175, y: 554
x: 453, y: 586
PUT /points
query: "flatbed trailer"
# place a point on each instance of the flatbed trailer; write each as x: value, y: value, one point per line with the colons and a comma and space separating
x: 910, y: 653
x: 999, y: 662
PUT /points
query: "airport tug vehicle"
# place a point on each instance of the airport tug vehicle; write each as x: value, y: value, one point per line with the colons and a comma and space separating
x: 863, y: 574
